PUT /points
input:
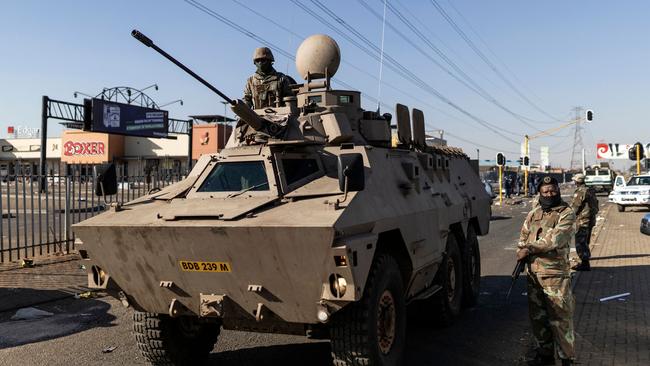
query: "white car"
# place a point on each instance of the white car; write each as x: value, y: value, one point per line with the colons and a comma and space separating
x: 636, y: 192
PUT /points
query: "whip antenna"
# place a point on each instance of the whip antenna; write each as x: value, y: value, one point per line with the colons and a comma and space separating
x: 381, y: 58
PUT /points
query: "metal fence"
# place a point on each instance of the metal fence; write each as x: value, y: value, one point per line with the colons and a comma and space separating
x: 36, y: 222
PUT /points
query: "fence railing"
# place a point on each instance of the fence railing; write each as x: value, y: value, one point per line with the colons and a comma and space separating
x: 36, y: 219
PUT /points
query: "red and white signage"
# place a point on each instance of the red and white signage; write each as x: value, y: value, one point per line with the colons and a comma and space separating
x: 74, y: 148
x: 606, y: 150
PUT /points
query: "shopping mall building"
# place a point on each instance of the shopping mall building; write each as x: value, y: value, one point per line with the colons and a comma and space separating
x: 133, y: 155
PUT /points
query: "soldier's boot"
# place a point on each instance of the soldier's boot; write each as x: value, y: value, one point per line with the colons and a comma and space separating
x: 541, y: 360
x: 582, y: 266
x: 567, y: 362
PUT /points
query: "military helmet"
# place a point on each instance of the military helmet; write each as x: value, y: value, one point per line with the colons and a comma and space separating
x: 263, y: 52
x: 579, y: 178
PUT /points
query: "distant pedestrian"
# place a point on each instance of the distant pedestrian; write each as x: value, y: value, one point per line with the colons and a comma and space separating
x: 531, y: 186
x: 515, y: 184
x: 585, y: 206
x: 519, y: 184
x: 508, y: 187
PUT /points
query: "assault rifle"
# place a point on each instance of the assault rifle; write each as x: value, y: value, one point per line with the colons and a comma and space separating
x: 519, y: 267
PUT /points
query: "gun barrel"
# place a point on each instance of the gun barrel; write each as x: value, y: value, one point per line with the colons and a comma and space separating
x: 247, y: 115
x: 142, y: 38
x: 149, y: 43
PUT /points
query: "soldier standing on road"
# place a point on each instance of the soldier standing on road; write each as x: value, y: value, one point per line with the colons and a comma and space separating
x: 266, y: 87
x: 544, y: 243
x: 585, y: 207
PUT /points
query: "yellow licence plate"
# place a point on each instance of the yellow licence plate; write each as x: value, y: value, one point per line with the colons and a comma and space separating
x: 193, y: 266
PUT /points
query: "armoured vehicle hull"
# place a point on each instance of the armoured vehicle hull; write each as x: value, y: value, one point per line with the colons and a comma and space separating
x: 311, y: 221
x: 286, y: 244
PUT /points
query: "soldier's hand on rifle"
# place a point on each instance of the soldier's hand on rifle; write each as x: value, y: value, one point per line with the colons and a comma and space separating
x: 522, y: 253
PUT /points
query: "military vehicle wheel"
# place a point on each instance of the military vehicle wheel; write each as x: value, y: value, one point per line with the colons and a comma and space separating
x: 620, y: 208
x: 373, y: 330
x: 164, y: 340
x: 450, y: 277
x: 472, y: 276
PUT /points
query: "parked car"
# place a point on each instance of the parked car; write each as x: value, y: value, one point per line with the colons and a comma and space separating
x: 645, y: 224
x: 636, y: 192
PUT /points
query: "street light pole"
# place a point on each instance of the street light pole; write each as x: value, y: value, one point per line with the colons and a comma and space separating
x: 225, y: 119
x: 148, y: 87
x: 172, y: 102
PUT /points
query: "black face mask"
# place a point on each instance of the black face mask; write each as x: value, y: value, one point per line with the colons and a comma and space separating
x: 548, y: 203
x: 263, y: 66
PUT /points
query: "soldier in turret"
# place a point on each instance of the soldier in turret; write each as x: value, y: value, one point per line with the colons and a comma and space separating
x: 266, y: 87
x: 544, y: 244
x: 585, y: 206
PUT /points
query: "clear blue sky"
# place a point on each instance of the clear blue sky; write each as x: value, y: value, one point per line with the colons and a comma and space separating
x: 558, y: 54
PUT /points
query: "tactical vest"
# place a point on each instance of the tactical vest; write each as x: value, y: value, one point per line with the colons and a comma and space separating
x: 554, y: 262
x: 266, y: 92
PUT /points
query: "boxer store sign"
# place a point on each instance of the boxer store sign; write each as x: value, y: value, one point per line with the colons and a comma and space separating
x: 80, y: 147
x: 71, y: 148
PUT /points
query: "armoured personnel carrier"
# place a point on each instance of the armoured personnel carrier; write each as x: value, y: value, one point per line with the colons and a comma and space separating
x: 309, y: 222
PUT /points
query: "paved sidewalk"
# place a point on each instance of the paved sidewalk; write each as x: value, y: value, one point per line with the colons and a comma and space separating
x: 615, y: 332
x: 51, y: 278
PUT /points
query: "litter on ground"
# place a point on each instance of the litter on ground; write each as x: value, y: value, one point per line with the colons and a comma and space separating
x: 109, y: 349
x: 614, y: 297
x: 85, y: 295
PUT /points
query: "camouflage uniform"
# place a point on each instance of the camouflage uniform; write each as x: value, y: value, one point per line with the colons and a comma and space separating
x: 585, y: 206
x: 264, y: 91
x: 547, y: 236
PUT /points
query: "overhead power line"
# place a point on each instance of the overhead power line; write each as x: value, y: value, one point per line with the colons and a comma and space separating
x: 369, y: 43
x: 485, y: 59
x: 283, y: 52
x: 463, y: 78
x: 503, y: 64
x: 400, y: 69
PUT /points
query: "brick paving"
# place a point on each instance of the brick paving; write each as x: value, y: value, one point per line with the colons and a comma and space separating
x: 615, y: 332
x: 52, y: 278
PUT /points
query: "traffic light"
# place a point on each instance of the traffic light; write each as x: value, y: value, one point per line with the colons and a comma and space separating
x: 632, y: 152
x: 501, y: 159
x: 526, y: 161
x: 589, y: 115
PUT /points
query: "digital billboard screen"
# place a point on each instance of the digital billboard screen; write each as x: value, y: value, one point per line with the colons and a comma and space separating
x: 127, y: 119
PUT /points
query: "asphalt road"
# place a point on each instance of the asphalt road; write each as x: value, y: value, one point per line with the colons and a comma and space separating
x: 492, y: 333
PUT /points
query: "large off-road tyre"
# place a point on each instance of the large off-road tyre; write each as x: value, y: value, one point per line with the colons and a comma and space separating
x: 164, y: 340
x: 372, y: 332
x: 472, y: 275
x: 450, y: 276
x: 620, y: 208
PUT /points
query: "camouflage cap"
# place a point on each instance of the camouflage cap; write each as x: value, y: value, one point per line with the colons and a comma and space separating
x: 579, y: 178
x: 547, y: 180
x: 263, y: 52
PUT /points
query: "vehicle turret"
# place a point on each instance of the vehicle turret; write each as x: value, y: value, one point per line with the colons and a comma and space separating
x: 317, y: 114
